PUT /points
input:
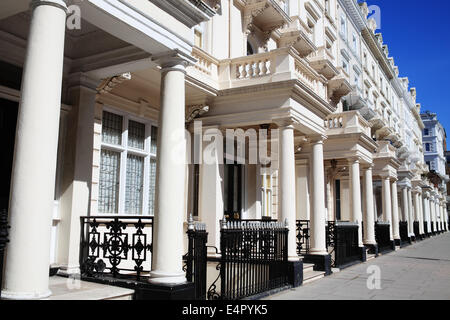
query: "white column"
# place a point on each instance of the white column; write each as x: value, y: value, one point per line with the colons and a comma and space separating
x: 170, y: 175
x: 395, y: 216
x: 405, y: 205
x: 369, y: 221
x: 433, y: 213
x: 421, y: 217
x: 438, y: 218
x: 287, y: 186
x: 34, y: 167
x: 387, y: 202
x: 426, y: 210
x: 318, y: 237
x: 411, y: 214
x: 355, y: 189
x: 416, y: 211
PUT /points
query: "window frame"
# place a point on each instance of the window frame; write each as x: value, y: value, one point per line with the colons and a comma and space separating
x: 124, y: 150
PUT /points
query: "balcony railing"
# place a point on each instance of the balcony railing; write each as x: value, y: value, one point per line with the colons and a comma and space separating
x: 347, y: 122
x: 119, y: 247
x: 281, y: 64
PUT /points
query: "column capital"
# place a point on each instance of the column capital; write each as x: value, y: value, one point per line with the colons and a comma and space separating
x: 285, y: 123
x: 174, y: 60
x: 368, y: 166
x: 317, y: 139
x: 61, y: 4
x: 354, y: 159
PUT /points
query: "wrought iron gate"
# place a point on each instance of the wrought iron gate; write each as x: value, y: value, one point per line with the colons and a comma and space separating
x: 254, y: 259
x: 343, y: 238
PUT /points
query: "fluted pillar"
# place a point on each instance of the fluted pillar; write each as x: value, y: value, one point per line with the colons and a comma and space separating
x: 355, y: 187
x: 168, y: 246
x: 395, y: 215
x: 287, y: 186
x: 433, y: 213
x: 416, y: 211
x: 369, y: 215
x: 34, y: 168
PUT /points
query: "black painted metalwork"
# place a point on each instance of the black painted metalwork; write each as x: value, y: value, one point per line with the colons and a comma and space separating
x: 383, y: 236
x: 425, y: 227
x: 254, y: 259
x: 417, y: 229
x: 116, y: 246
x: 303, y: 237
x: 404, y: 234
x: 4, y: 238
x: 343, y: 238
x: 196, y: 258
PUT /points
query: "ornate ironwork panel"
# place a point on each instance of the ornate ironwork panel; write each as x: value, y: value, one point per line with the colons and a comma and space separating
x: 303, y: 237
x: 116, y: 246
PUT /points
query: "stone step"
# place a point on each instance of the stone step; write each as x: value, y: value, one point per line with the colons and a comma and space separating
x: 308, y: 267
x: 312, y: 276
x: 66, y: 289
x: 370, y: 257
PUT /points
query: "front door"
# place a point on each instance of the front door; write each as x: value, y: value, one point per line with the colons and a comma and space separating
x: 232, y: 191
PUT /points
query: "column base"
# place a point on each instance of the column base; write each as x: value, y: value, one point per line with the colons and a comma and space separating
x: 413, y: 238
x: 151, y: 291
x: 398, y: 242
x: 372, y: 249
x: 9, y: 295
x: 363, y: 254
x: 321, y: 262
x: 295, y: 273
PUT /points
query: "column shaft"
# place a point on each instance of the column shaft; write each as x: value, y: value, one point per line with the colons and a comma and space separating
x: 355, y: 186
x: 287, y: 186
x: 34, y: 167
x: 387, y: 202
x: 369, y: 216
x: 395, y: 216
x: 411, y: 214
x: 318, y: 237
x: 170, y: 178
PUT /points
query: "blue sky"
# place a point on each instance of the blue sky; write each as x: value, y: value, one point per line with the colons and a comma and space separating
x: 417, y: 33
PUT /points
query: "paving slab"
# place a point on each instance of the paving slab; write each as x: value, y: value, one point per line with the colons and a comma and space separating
x: 420, y: 271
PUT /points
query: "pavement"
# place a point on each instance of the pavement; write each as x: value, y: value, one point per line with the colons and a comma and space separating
x: 420, y: 271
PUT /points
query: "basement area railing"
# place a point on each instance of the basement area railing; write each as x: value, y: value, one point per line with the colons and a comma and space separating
x: 303, y: 237
x: 119, y: 247
x: 417, y: 229
x: 254, y: 259
x: 4, y: 239
x: 404, y: 236
x: 382, y: 236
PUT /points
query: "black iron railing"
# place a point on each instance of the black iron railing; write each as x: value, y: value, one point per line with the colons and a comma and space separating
x: 404, y: 235
x: 383, y: 236
x: 4, y: 239
x: 254, y: 259
x: 416, y: 229
x: 425, y: 227
x: 343, y: 238
x: 116, y: 246
x: 432, y: 228
x: 303, y: 237
x: 196, y: 258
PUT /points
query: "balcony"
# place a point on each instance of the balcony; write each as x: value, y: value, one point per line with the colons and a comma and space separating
x: 322, y: 61
x: 383, y: 133
x: 346, y: 123
x: 298, y: 36
x: 355, y: 99
x: 278, y: 65
x: 339, y: 86
x: 265, y: 15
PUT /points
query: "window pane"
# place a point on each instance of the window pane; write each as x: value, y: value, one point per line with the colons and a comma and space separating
x: 109, y: 182
x: 153, y: 148
x: 112, y: 128
x: 151, y: 198
x: 136, y: 135
x: 133, y: 190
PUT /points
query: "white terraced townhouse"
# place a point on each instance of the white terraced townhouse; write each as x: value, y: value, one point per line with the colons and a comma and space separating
x: 208, y: 149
